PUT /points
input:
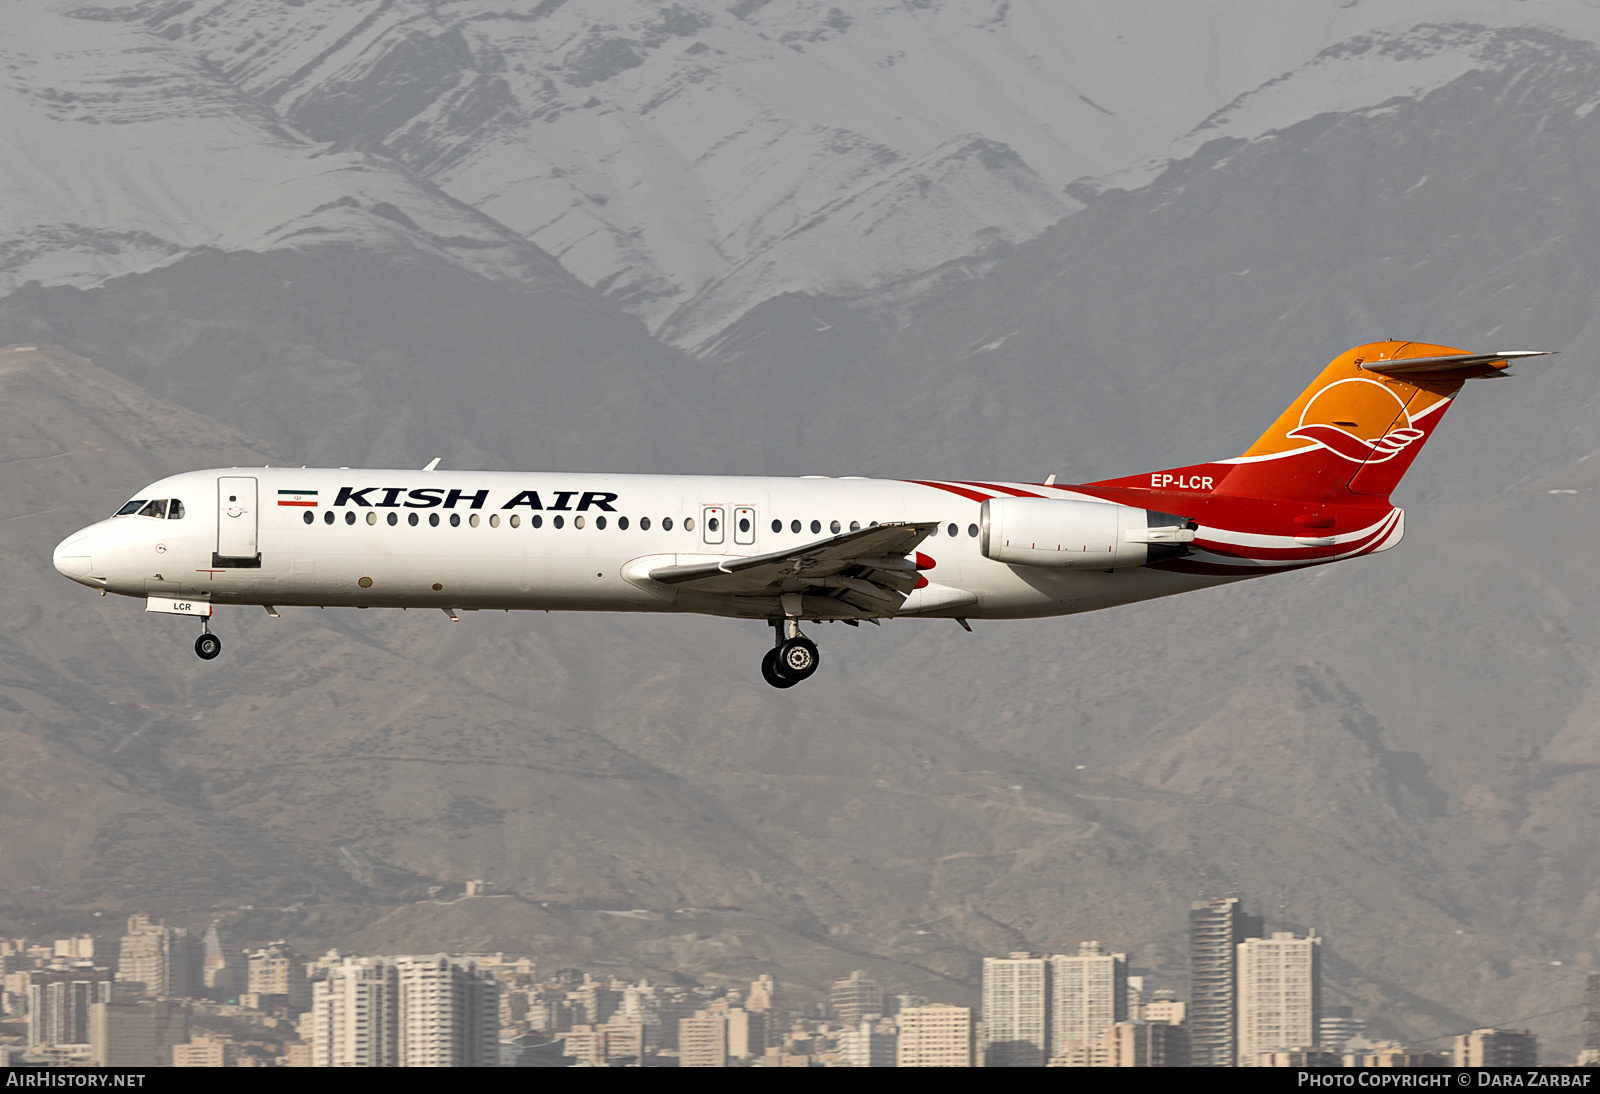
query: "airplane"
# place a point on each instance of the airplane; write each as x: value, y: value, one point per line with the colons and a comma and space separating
x: 1313, y: 489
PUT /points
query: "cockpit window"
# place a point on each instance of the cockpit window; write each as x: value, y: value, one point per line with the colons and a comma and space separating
x: 132, y: 507
x: 174, y: 509
x: 157, y: 509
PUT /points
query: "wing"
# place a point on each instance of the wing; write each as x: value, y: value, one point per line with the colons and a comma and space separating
x: 866, y: 572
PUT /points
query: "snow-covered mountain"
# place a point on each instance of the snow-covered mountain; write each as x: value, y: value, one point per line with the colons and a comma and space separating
x: 690, y: 159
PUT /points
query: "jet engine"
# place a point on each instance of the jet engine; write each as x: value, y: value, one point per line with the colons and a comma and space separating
x: 1080, y: 535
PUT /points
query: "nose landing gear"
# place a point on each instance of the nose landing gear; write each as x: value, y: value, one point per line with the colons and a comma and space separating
x: 208, y: 645
x: 792, y: 658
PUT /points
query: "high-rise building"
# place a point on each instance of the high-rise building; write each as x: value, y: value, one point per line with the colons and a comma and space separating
x: 434, y: 1011
x: 1280, y: 995
x: 624, y: 1040
x: 1088, y: 995
x: 856, y: 998
x: 355, y: 1014
x: 763, y: 998
x: 592, y: 1002
x: 641, y: 1003
x: 1497, y: 1048
x: 936, y: 1035
x: 166, y: 960
x: 1137, y: 1044
x: 136, y: 1034
x: 1590, y: 1056
x: 869, y: 1043
x: 703, y: 1040
x: 1338, y: 1025
x: 1166, y: 1009
x: 1216, y: 927
x: 206, y: 1052
x: 59, y: 998
x: 584, y: 1043
x: 223, y: 969
x: 279, y: 973
x: 449, y: 1013
x: 1016, y: 1011
x: 77, y: 948
x: 747, y: 1033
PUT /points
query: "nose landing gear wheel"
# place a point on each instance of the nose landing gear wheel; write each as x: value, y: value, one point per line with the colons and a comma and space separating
x: 769, y: 671
x: 207, y: 646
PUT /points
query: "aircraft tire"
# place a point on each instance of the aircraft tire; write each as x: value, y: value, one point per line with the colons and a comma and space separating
x: 797, y: 658
x: 769, y: 670
x: 207, y: 646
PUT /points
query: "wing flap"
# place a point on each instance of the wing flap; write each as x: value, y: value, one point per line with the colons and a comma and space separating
x: 866, y: 572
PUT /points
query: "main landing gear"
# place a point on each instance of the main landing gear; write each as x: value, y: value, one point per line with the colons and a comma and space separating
x: 207, y: 645
x: 792, y: 658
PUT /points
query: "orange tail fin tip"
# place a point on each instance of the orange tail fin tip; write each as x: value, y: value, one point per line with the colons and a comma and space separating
x: 1351, y: 434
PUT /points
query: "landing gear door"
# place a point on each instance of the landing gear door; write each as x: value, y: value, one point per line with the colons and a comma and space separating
x: 237, y: 543
x: 712, y: 519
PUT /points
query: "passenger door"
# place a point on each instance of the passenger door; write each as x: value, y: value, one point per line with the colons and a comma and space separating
x: 237, y: 543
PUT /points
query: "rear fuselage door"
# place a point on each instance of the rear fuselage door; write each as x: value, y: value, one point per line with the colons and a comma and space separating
x: 712, y: 519
x: 237, y: 543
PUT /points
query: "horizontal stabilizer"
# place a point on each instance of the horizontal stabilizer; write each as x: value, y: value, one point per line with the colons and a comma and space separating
x: 1422, y: 367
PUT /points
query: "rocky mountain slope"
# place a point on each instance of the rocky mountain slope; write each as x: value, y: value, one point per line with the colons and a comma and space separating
x: 691, y: 160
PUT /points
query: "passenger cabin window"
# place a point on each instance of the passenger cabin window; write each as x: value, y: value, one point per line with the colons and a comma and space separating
x: 132, y: 507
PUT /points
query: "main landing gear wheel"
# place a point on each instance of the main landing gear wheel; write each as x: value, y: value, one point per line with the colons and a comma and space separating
x: 207, y: 646
x: 769, y: 671
x: 797, y: 657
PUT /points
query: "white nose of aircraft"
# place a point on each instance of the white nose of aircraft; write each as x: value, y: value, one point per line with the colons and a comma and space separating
x: 73, y: 557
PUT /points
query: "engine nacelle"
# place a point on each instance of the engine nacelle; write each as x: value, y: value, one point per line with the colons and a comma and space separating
x: 1081, y: 535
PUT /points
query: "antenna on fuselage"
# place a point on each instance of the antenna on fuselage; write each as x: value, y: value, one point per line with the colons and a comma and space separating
x: 433, y: 464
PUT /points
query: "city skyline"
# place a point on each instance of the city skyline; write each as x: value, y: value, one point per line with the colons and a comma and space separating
x: 1082, y: 1008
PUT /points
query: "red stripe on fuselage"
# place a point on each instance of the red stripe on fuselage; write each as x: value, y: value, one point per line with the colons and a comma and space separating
x: 1012, y: 490
x: 970, y: 495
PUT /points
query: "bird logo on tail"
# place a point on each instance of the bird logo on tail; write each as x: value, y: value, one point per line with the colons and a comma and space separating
x: 1360, y: 420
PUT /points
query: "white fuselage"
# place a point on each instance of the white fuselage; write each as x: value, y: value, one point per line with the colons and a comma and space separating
x: 554, y: 542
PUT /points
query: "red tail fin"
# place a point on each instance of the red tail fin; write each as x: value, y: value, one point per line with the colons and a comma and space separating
x: 1354, y: 431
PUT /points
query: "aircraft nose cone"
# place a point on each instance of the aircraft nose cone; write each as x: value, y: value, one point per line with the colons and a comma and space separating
x: 71, y: 557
